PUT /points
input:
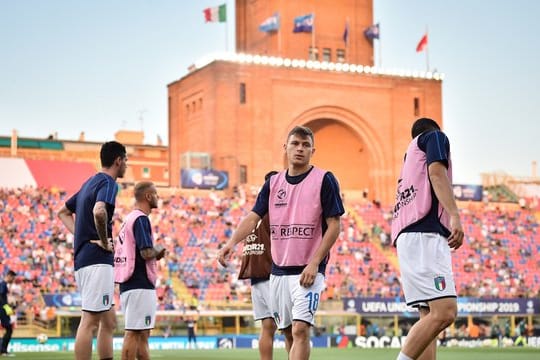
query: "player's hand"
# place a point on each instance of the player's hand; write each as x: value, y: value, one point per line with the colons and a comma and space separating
x: 161, y: 251
x: 307, y: 277
x: 455, y: 240
x: 109, y: 247
x: 223, y: 254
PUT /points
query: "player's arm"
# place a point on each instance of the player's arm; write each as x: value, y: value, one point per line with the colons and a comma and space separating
x: 67, y: 218
x: 329, y: 239
x: 157, y: 252
x: 100, y: 220
x: 246, y: 227
x: 443, y: 190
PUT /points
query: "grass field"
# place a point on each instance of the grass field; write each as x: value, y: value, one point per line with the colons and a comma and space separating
x: 318, y: 354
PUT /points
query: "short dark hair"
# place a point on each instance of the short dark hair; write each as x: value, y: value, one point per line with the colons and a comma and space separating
x: 11, y: 273
x: 141, y: 188
x: 110, y: 151
x: 269, y: 175
x: 422, y: 125
x: 303, y: 132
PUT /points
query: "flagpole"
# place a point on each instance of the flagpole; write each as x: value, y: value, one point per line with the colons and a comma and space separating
x: 348, y: 27
x: 313, y: 35
x: 427, y: 50
x: 380, y: 45
x: 226, y: 28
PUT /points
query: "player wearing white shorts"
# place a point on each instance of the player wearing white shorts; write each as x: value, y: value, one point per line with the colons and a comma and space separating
x: 135, y: 270
x: 88, y: 215
x: 256, y: 266
x: 304, y: 206
x: 425, y: 227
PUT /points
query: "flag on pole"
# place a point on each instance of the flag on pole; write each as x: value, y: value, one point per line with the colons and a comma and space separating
x: 422, y: 44
x: 346, y: 33
x: 216, y: 14
x: 271, y: 24
x: 372, y: 32
x: 303, y: 23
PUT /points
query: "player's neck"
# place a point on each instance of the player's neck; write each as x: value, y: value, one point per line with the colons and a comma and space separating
x: 145, y: 208
x: 109, y: 171
x: 295, y: 171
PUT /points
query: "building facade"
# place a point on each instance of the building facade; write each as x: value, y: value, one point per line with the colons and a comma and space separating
x: 238, y: 108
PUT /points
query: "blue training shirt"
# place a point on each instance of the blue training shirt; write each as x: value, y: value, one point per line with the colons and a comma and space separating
x: 437, y: 148
x: 100, y: 187
x: 143, y: 240
x: 331, y: 203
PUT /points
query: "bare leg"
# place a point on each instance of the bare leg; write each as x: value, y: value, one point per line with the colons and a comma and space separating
x: 105, y: 334
x: 266, y: 339
x: 85, y: 333
x: 300, y: 348
x: 442, y: 313
x: 430, y: 353
x: 287, y: 332
x: 143, y: 352
x: 131, y: 345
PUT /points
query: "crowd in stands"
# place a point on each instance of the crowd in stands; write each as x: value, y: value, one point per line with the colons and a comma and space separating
x: 499, y: 257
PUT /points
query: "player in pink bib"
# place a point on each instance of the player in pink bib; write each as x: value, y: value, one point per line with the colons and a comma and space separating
x: 425, y: 227
x: 304, y: 207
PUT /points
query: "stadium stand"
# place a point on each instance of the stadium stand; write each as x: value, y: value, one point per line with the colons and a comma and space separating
x: 498, y: 259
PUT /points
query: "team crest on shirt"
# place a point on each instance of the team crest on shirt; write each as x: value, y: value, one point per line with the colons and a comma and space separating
x: 440, y: 283
x: 281, y: 198
x: 147, y: 320
x: 105, y: 300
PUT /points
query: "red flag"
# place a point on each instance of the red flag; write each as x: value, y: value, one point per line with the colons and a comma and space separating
x: 422, y: 44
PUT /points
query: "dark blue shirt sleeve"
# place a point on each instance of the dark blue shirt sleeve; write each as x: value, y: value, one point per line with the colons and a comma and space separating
x: 436, y: 146
x: 261, y: 205
x: 331, y: 197
x: 107, y: 190
x: 143, y: 233
x: 71, y: 203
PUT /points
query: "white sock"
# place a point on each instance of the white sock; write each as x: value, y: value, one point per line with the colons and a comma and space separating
x: 402, y: 356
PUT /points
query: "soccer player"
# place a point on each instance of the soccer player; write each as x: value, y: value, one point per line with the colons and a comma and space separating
x: 304, y: 207
x: 135, y: 270
x: 256, y: 266
x: 5, y: 313
x: 425, y: 227
x: 88, y: 214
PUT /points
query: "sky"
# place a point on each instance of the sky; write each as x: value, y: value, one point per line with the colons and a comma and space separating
x: 98, y: 66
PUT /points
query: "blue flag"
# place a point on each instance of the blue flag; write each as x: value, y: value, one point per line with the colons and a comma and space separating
x: 372, y: 32
x: 270, y: 24
x: 346, y: 33
x: 303, y: 23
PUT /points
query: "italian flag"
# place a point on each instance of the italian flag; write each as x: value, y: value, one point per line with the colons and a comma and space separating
x: 216, y: 14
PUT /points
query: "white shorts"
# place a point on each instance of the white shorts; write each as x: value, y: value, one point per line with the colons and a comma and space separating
x: 96, y: 285
x: 425, y: 263
x: 260, y: 297
x: 139, y: 308
x: 291, y: 301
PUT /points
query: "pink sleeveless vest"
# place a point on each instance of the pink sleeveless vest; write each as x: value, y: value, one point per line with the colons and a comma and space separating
x: 125, y: 252
x: 295, y: 218
x: 413, y: 197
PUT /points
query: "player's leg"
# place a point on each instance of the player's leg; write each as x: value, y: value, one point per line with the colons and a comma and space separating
x: 430, y: 352
x: 300, y: 349
x: 305, y: 304
x: 441, y: 315
x: 6, y: 324
x: 96, y: 304
x: 107, y: 325
x: 287, y: 333
x: 260, y: 298
x: 132, y: 341
x: 85, y: 333
x: 143, y: 351
x: 266, y: 339
x: 426, y: 273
